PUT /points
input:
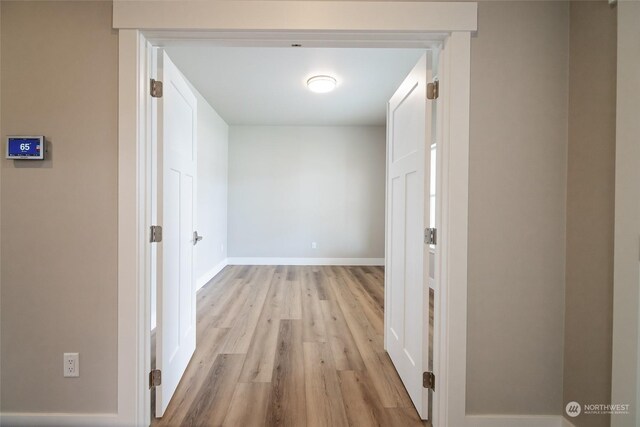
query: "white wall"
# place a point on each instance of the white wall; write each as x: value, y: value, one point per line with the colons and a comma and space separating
x: 213, y: 138
x: 211, y: 221
x: 290, y: 186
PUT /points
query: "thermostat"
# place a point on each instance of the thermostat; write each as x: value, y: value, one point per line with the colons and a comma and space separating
x: 25, y: 147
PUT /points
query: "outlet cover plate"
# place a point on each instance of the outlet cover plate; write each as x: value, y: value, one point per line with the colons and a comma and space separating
x: 71, y: 365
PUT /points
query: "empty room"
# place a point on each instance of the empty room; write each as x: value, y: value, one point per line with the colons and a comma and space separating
x: 286, y: 194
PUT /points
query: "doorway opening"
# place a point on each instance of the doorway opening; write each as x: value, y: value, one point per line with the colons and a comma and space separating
x: 260, y: 146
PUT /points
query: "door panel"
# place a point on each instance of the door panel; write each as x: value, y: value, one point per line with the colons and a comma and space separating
x: 170, y: 312
x: 407, y: 289
x: 406, y: 117
x: 177, y: 189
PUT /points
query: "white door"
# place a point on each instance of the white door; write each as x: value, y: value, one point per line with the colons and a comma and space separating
x: 177, y: 184
x: 407, y: 266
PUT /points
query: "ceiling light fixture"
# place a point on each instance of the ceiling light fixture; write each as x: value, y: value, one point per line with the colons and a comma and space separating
x: 321, y: 84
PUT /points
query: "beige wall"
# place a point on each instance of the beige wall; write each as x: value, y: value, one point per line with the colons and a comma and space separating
x: 59, y: 229
x: 518, y: 166
x: 626, y: 339
x: 590, y: 206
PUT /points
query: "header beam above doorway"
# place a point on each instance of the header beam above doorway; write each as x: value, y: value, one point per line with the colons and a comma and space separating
x: 294, y: 15
x: 307, y: 39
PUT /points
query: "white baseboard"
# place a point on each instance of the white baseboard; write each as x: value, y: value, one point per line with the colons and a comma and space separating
x: 204, y: 279
x: 108, y: 420
x: 38, y: 419
x: 516, y: 420
x: 303, y: 261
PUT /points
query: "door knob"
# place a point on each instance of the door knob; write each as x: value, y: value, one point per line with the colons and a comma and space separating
x: 196, y: 238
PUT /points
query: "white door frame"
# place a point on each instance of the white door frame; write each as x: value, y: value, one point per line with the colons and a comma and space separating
x: 625, y: 376
x: 381, y: 24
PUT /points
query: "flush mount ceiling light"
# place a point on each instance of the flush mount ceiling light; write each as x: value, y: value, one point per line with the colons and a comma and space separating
x: 321, y: 84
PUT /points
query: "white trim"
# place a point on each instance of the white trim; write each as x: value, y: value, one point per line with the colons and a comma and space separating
x: 309, y: 39
x: 31, y: 419
x: 303, y: 261
x: 454, y: 223
x: 516, y: 420
x: 133, y: 286
x: 625, y: 373
x: 99, y: 420
x: 206, y: 277
x: 295, y: 16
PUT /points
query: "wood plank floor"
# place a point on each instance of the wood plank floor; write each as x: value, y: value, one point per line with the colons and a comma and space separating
x: 291, y: 346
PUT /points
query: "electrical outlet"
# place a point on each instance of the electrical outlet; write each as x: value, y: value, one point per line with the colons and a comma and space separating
x: 222, y: 247
x: 71, y: 365
x: 314, y: 245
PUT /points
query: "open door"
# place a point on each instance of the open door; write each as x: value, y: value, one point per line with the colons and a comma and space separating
x: 407, y: 320
x: 177, y: 186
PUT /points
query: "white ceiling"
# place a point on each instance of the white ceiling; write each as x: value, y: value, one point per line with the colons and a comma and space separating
x: 267, y: 86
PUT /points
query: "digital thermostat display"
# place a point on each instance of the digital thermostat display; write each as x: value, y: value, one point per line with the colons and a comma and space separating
x: 25, y: 147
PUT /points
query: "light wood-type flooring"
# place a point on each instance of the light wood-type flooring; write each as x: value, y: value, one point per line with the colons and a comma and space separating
x: 291, y: 346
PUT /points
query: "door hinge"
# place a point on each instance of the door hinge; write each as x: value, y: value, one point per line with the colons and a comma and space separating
x: 155, y: 378
x: 433, y: 90
x: 156, y: 88
x: 429, y: 380
x: 156, y: 234
x: 430, y: 236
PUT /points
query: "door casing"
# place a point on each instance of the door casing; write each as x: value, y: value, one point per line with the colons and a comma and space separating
x: 445, y: 25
